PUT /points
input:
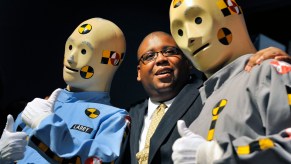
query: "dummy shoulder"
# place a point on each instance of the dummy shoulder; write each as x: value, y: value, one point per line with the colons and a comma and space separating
x: 271, y: 66
x: 281, y: 67
x: 271, y: 70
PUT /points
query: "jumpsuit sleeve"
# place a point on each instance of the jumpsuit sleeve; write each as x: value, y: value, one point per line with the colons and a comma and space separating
x: 18, y: 124
x: 53, y: 140
x: 270, y: 90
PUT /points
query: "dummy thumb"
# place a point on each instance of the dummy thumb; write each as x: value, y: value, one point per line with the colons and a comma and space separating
x: 9, y: 123
x: 183, y: 130
x: 54, y: 95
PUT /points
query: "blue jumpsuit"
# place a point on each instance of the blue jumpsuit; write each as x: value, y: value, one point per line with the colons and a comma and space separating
x: 84, y: 127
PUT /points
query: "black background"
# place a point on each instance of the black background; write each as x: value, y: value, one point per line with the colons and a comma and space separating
x: 33, y: 36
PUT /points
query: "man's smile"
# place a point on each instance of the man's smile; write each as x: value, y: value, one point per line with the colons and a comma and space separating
x: 163, y: 71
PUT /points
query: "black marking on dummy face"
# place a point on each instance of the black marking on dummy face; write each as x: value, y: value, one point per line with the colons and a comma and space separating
x: 224, y: 36
x: 229, y: 7
x: 87, y: 72
x: 111, y: 57
x: 85, y: 28
x: 177, y: 3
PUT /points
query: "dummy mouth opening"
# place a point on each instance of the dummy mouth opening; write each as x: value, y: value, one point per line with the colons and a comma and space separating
x: 199, y: 49
x: 72, y: 69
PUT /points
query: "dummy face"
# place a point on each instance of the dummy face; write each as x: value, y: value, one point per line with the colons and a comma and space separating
x: 202, y: 29
x: 93, y: 52
x: 162, y: 77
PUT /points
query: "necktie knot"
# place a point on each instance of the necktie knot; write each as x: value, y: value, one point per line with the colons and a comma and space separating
x: 161, y: 108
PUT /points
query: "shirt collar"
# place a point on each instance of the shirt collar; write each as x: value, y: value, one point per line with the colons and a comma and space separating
x: 222, y: 76
x: 152, y: 105
x: 88, y: 97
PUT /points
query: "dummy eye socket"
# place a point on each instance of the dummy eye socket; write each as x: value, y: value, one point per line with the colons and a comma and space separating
x: 198, y: 20
x: 180, y: 32
x: 83, y: 51
x: 70, y: 47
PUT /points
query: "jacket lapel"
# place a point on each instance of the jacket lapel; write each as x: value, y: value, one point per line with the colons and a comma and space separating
x: 137, y: 113
x: 178, y: 108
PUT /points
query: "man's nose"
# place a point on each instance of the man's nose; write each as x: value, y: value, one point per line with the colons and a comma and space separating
x: 161, y: 57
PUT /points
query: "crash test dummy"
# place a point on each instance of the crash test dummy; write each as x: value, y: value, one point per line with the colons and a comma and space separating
x: 246, y: 115
x: 76, y: 124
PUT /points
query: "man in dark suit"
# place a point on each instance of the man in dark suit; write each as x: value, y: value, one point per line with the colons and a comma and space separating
x: 165, y: 74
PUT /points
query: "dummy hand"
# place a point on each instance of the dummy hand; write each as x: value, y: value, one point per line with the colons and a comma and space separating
x: 185, y: 148
x: 12, y: 144
x: 38, y: 109
x: 267, y: 53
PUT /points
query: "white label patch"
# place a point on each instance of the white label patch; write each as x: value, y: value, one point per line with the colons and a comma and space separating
x: 82, y: 128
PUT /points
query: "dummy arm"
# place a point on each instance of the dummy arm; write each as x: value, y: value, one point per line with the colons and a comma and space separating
x: 38, y: 109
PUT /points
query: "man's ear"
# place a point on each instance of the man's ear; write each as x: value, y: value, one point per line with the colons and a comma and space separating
x: 138, y: 73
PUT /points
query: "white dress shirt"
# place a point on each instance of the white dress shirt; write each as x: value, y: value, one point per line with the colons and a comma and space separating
x: 152, y: 106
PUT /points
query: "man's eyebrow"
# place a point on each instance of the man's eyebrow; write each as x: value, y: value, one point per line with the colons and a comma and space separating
x: 165, y: 47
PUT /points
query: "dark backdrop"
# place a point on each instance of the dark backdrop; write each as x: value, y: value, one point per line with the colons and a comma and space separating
x: 33, y: 35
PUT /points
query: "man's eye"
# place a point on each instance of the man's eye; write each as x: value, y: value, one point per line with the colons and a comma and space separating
x: 149, y: 56
x: 170, y: 52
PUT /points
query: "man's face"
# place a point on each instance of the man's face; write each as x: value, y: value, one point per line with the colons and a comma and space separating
x: 163, y: 75
x: 201, y: 30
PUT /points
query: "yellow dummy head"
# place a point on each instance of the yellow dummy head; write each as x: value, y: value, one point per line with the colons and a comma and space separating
x: 93, y: 53
x: 211, y: 33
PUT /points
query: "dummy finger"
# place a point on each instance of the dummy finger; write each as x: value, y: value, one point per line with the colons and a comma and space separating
x: 9, y: 123
x: 182, y: 158
x: 15, y: 153
x: 18, y: 137
x: 183, y: 130
x: 54, y: 95
x: 181, y: 155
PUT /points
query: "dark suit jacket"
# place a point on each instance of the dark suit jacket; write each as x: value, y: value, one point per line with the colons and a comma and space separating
x: 186, y: 106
